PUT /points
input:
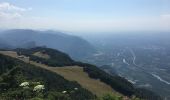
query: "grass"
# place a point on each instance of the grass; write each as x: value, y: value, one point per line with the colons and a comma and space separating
x: 74, y: 73
x: 41, y: 55
x: 9, y: 53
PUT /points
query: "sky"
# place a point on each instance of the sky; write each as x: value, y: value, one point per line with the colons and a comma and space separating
x: 86, y: 15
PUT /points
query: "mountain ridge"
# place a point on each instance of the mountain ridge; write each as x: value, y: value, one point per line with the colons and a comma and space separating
x: 75, y: 46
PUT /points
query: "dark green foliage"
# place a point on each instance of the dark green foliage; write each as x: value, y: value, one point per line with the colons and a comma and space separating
x: 111, y: 97
x: 118, y: 83
x: 146, y: 94
x: 5, y: 65
x: 18, y: 72
x: 57, y: 58
x: 58, y: 96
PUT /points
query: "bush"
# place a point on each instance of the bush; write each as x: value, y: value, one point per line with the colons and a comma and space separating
x: 111, y: 97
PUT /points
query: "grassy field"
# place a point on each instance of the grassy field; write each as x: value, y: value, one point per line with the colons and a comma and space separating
x: 41, y: 55
x: 74, y: 73
x: 9, y: 53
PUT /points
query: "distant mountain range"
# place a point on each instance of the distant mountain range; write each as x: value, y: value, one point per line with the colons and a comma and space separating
x: 75, y: 46
x: 4, y: 45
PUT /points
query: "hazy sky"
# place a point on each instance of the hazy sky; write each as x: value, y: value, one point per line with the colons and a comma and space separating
x: 86, y: 15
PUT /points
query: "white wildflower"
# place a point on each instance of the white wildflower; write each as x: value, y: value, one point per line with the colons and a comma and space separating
x: 75, y: 88
x: 38, y: 88
x: 64, y: 92
x: 24, y: 84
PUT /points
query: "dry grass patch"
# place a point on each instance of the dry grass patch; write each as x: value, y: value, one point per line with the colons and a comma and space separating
x: 41, y: 55
x: 77, y: 74
x: 9, y: 53
x: 74, y: 73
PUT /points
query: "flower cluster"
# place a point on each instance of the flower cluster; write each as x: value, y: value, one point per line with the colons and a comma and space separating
x: 39, y: 88
x: 36, y: 86
x: 24, y: 84
x: 64, y: 92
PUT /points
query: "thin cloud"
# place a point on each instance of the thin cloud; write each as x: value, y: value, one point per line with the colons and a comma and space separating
x: 166, y: 16
x: 10, y: 12
x: 9, y: 15
x: 12, y: 16
x: 165, y: 21
x: 5, y: 6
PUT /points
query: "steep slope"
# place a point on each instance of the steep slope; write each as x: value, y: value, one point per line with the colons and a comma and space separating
x: 13, y: 72
x: 117, y: 83
x: 72, y: 73
x: 55, y: 57
x: 76, y: 73
x: 76, y: 47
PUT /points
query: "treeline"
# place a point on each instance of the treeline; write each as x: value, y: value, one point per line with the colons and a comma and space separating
x: 118, y: 83
x: 13, y: 72
x: 56, y: 58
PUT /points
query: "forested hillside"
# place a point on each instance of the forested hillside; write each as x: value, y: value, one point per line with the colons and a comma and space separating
x: 14, y: 74
x: 56, y: 58
x: 116, y: 82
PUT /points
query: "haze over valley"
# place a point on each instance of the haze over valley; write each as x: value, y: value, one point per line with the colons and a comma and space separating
x: 85, y: 50
x: 141, y: 57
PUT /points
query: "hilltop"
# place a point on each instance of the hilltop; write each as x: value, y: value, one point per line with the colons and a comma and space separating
x: 14, y: 72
